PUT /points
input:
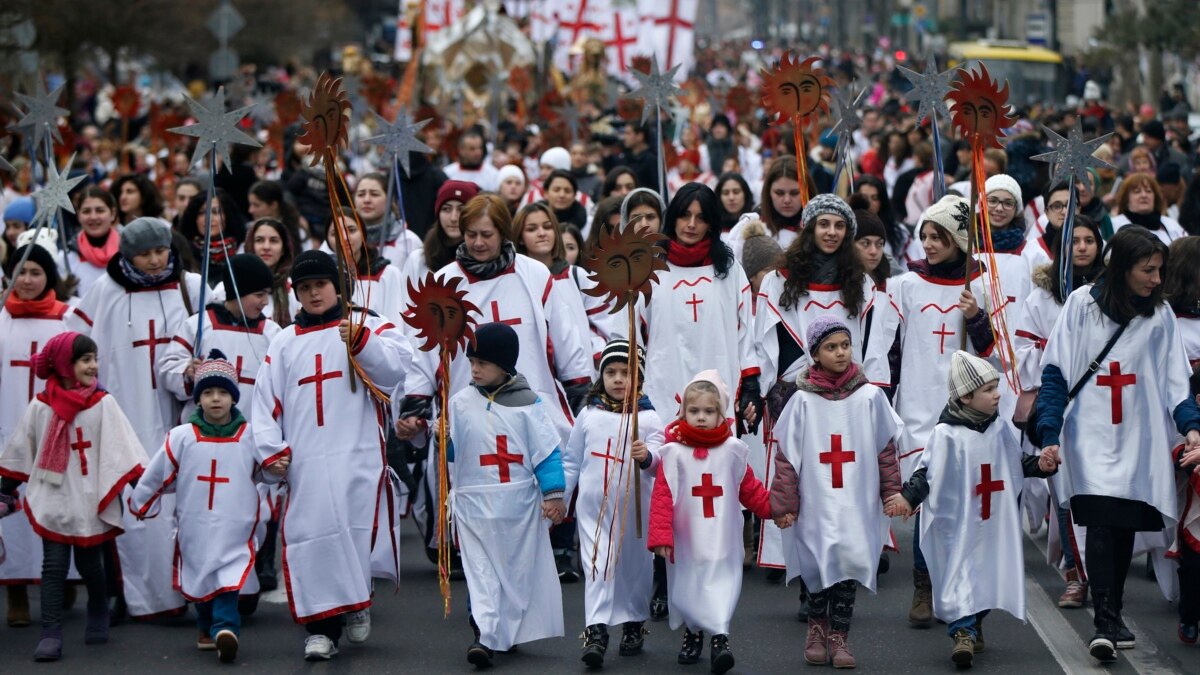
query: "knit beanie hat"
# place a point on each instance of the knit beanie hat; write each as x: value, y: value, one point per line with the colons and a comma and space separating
x: 250, y: 274
x: 714, y: 378
x: 143, y: 234
x: 511, y: 171
x: 496, y: 343
x: 869, y: 225
x: 216, y: 371
x: 456, y: 191
x: 821, y: 328
x: 557, y: 158
x: 55, y: 357
x: 313, y: 264
x: 759, y: 251
x: 617, y: 351
x: 1005, y: 183
x: 951, y: 213
x: 21, y: 209
x: 968, y: 373
x: 828, y: 203
x: 38, y: 255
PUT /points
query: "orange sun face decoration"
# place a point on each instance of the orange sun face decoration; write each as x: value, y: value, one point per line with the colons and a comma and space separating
x: 327, y: 118
x: 796, y: 89
x: 981, y: 109
x: 441, y: 313
x: 624, y: 265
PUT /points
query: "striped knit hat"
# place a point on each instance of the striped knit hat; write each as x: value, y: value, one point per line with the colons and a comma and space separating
x: 216, y: 372
x: 968, y: 373
x: 617, y: 351
x: 832, y: 204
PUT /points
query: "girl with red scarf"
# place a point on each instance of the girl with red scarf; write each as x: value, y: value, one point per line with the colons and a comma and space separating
x: 704, y: 479
x: 76, y: 451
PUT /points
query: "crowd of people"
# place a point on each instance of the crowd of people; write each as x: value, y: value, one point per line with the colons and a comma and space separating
x: 823, y: 345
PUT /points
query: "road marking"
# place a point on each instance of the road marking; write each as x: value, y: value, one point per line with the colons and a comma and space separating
x: 275, y: 597
x: 1058, y: 635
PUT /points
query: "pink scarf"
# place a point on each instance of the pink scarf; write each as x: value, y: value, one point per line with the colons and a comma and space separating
x: 827, y: 380
x: 56, y: 446
x: 98, y: 256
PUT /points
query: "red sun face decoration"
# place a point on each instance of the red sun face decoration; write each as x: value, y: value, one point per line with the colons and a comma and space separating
x: 126, y: 101
x: 327, y: 118
x: 981, y: 109
x: 625, y: 265
x: 796, y: 89
x: 441, y: 314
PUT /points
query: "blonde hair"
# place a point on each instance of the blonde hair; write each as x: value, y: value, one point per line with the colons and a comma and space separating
x: 701, y: 387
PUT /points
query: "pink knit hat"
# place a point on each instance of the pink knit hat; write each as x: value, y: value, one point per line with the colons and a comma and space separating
x: 55, y: 357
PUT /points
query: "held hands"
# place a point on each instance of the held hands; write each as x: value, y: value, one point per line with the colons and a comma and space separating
x: 967, y: 304
x: 639, y: 452
x: 664, y: 551
x: 554, y: 510
x: 1191, y: 449
x: 785, y: 521
x: 407, y: 428
x: 1049, y: 460
x: 750, y: 414
x: 897, y: 505
x: 280, y: 467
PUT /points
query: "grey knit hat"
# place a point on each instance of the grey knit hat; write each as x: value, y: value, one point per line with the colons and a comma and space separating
x: 143, y: 234
x: 828, y: 203
x: 760, y: 251
x: 968, y: 373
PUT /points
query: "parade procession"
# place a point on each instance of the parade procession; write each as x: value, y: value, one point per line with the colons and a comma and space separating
x: 561, y: 336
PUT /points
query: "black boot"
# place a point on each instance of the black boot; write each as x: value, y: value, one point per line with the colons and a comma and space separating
x: 633, y: 637
x: 478, y: 655
x: 693, y: 645
x: 802, y: 613
x: 659, y: 609
x: 720, y: 654
x: 1103, y: 644
x: 264, y: 563
x: 595, y: 644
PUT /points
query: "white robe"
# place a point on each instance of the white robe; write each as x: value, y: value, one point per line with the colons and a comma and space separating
x: 304, y: 410
x: 1169, y: 232
x: 217, y: 506
x: 600, y: 319
x: 245, y: 348
x: 704, y: 576
x: 131, y: 330
x: 496, y: 506
x: 840, y: 529
x: 930, y: 332
x: 86, y: 272
x: 618, y: 571
x: 697, y: 321
x: 970, y: 524
x: 1189, y: 329
x: 382, y: 293
x: 1118, y: 432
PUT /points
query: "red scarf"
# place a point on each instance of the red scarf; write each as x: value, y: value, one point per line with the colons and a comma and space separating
x: 690, y: 256
x: 46, y: 305
x: 700, y: 440
x: 827, y: 380
x: 66, y: 404
x: 98, y: 256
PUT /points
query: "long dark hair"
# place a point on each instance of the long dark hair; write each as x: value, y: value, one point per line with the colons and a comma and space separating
x: 610, y: 179
x: 1078, y: 276
x: 1128, y: 247
x: 606, y: 208
x: 894, y: 237
x: 282, y: 271
x: 271, y: 192
x: 799, y: 267
x: 1181, y: 284
x: 235, y: 222
x: 710, y: 211
x: 784, y: 167
x: 152, y: 203
x: 747, y: 201
x: 1189, y: 210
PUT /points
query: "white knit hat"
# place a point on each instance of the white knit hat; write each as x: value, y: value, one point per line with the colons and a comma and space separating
x: 968, y: 373
x: 1005, y: 182
x: 511, y: 171
x: 557, y: 158
x: 714, y: 378
x: 953, y: 214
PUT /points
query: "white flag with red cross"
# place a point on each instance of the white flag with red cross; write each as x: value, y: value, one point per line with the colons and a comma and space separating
x: 667, y: 30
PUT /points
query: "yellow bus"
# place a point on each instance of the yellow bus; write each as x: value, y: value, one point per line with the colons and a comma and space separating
x: 1034, y: 74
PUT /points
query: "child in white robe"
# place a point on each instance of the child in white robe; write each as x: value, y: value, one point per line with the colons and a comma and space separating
x: 506, y: 469
x: 969, y: 479
x: 618, y: 573
x: 696, y: 522
x: 76, y: 451
x: 209, y: 463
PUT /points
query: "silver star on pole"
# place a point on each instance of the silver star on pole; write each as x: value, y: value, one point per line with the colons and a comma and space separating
x: 1072, y: 156
x: 56, y: 194
x: 845, y: 104
x: 262, y: 109
x: 41, y: 113
x: 215, y: 128
x: 929, y: 89
x: 399, y: 138
x: 657, y: 88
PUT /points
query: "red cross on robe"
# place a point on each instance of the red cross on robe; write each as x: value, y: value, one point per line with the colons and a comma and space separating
x: 985, y: 488
x: 695, y: 303
x: 496, y: 316
x: 836, y: 457
x: 709, y: 493
x: 944, y: 334
x: 501, y: 458
x: 81, y: 446
x: 28, y: 363
x: 212, y: 479
x: 1116, y: 380
x: 152, y: 342
x: 318, y: 378
x: 240, y: 379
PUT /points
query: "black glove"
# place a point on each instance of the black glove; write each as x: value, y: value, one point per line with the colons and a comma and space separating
x: 749, y: 394
x: 577, y: 395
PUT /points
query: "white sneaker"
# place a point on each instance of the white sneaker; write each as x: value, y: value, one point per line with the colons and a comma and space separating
x: 358, y: 626
x: 318, y: 648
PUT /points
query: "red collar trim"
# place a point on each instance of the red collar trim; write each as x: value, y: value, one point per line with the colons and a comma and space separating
x: 231, y: 439
x: 947, y: 282
x: 825, y: 288
x: 313, y: 329
x: 212, y: 320
x: 471, y: 278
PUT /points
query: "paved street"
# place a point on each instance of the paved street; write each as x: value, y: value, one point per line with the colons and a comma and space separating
x: 409, y: 634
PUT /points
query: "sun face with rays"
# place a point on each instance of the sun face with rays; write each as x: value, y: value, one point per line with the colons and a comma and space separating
x: 441, y: 314
x: 796, y: 88
x: 625, y: 265
x: 326, y: 118
x: 981, y: 110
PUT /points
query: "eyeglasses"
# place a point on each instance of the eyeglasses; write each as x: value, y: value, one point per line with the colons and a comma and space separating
x: 1007, y: 204
x: 1055, y: 207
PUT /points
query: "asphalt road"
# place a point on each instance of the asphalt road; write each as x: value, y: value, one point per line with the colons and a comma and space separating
x: 410, y: 635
